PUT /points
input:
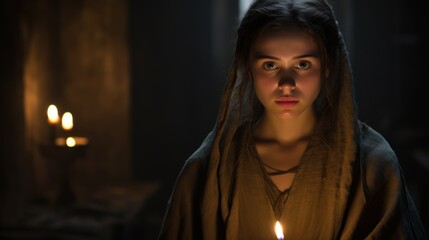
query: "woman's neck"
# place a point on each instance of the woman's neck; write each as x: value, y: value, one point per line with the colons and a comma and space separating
x: 285, y: 131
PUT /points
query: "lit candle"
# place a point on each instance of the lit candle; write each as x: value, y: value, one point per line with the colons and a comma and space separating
x: 279, y: 231
x: 67, y: 121
x: 53, y: 117
x: 70, y: 142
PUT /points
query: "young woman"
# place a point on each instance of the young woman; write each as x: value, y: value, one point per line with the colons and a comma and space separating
x: 288, y: 146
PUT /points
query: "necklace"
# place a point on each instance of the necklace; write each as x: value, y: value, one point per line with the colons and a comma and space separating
x: 280, y: 172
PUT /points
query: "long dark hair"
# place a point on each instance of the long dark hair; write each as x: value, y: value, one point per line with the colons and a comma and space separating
x: 316, y: 17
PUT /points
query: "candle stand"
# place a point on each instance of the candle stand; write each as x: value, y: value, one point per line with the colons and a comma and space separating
x: 67, y: 156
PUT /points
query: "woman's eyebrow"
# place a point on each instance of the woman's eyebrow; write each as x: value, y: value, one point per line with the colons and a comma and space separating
x: 265, y: 56
x: 308, y: 55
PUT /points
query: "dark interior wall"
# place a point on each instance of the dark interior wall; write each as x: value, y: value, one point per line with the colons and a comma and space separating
x: 389, y: 49
x: 178, y: 61
x: 372, y: 61
x: 390, y: 44
x: 14, y: 160
x: 386, y: 42
x: 179, y: 56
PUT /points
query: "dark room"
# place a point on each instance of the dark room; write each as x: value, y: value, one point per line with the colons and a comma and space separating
x: 103, y: 101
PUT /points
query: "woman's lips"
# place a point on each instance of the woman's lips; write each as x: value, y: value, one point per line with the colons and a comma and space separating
x: 286, y: 101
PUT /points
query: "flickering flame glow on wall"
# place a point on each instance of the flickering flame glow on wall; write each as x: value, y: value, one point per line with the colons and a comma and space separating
x: 53, y: 116
x: 67, y: 121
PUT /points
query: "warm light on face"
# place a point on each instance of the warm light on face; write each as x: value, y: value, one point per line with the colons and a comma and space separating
x: 67, y: 121
x: 70, y: 142
x: 279, y: 231
x: 286, y: 68
x: 53, y: 117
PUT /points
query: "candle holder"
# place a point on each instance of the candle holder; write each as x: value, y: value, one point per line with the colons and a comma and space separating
x: 67, y: 155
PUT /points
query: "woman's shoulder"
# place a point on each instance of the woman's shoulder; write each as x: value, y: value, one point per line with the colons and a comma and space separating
x: 199, y: 157
x: 371, y: 139
x: 372, y: 142
x: 379, y: 160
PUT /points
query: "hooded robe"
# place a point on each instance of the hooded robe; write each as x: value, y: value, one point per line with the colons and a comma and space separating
x: 375, y: 205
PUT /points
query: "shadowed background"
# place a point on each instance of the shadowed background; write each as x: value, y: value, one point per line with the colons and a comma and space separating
x: 143, y: 81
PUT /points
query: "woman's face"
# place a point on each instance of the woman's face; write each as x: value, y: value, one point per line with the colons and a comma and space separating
x: 286, y: 70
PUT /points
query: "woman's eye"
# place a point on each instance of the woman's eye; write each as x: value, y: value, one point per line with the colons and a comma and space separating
x: 270, y: 66
x: 302, y: 65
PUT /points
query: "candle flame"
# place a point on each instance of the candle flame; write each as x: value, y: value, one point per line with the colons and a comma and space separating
x: 70, y: 142
x: 53, y: 117
x: 67, y: 121
x: 279, y: 231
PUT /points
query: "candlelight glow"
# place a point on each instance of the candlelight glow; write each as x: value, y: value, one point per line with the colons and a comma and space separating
x: 67, y: 121
x: 70, y: 142
x: 279, y: 231
x: 53, y: 117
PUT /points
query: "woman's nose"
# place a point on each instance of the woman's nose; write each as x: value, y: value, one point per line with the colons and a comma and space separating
x: 286, y: 83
